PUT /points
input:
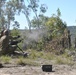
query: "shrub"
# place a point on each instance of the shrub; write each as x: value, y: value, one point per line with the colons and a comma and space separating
x: 20, y: 61
x: 5, y: 59
x: 63, y: 60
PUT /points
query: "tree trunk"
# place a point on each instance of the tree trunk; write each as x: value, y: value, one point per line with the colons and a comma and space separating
x: 69, y: 39
x: 75, y: 42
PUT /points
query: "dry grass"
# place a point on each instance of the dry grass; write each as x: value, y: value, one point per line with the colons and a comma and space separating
x: 26, y: 61
x: 35, y: 57
x: 64, y: 59
x: 5, y: 59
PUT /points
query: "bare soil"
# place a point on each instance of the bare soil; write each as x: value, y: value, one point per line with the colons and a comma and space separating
x: 11, y: 69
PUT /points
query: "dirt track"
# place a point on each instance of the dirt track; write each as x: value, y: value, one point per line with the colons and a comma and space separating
x: 37, y: 70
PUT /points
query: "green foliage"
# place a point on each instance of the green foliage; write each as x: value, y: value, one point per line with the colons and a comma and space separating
x: 58, y: 12
x: 33, y: 5
x: 2, y: 12
x: 23, y: 61
x: 40, y: 45
x: 64, y: 59
x: 5, y: 59
x: 41, y: 21
x: 10, y: 8
x: 16, y: 25
x: 33, y: 54
x: 48, y: 56
x: 15, y: 32
x: 61, y: 59
x: 31, y: 62
x: 36, y: 57
x: 7, y: 13
x: 41, y: 54
x: 56, y: 26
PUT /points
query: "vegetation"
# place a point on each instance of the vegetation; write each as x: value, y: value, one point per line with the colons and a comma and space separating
x: 63, y: 59
x: 10, y: 8
x: 40, y: 22
x: 5, y: 59
x: 54, y: 27
x: 26, y: 61
x: 36, y: 58
x: 53, y: 41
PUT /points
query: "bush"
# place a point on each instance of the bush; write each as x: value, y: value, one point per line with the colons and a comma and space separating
x: 20, y: 61
x: 64, y: 60
x: 5, y: 59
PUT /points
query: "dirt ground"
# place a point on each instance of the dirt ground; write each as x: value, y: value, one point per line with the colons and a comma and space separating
x: 9, y: 69
x: 14, y: 69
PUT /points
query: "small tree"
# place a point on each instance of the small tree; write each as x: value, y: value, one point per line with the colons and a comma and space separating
x: 40, y: 22
x: 56, y: 25
x: 15, y: 30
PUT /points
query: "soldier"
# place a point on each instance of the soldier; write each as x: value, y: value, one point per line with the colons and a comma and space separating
x: 4, y: 42
x: 1, y: 34
x: 5, y: 48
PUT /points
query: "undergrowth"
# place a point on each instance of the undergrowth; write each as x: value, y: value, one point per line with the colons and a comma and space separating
x: 5, y: 59
x: 35, y: 56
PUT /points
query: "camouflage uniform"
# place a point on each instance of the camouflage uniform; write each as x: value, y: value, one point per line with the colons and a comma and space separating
x: 4, y: 42
x: 5, y: 48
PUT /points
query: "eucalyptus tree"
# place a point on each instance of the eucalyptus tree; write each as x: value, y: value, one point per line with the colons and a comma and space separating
x: 26, y: 9
x: 58, y: 12
x: 10, y: 13
x: 10, y: 8
x: 41, y: 21
x: 56, y: 25
x: 7, y: 12
x: 2, y: 8
x: 15, y: 31
x: 33, y: 5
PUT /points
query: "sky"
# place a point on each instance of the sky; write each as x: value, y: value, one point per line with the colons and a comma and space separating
x: 67, y: 8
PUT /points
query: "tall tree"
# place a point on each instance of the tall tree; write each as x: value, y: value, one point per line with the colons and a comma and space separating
x: 33, y: 4
x: 2, y: 8
x: 10, y: 8
x: 41, y: 21
x: 56, y: 25
x: 58, y: 12
x: 10, y: 13
x: 14, y: 7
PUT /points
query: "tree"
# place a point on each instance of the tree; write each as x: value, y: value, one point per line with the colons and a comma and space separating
x: 56, y: 25
x: 2, y: 8
x: 10, y: 8
x: 15, y: 31
x: 33, y: 4
x: 16, y: 25
x: 58, y: 12
x: 7, y: 13
x: 40, y: 22
x: 10, y: 13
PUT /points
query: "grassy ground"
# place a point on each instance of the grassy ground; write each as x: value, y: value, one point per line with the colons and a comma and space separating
x: 31, y: 65
x: 36, y: 58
